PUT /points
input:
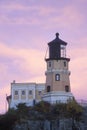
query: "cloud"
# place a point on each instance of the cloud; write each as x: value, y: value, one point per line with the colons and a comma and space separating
x: 67, y: 17
x: 14, y: 6
x: 3, y: 103
x: 25, y: 60
x: 19, y: 13
x: 78, y: 67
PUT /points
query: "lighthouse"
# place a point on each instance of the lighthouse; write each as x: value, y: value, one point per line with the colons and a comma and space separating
x: 57, y: 88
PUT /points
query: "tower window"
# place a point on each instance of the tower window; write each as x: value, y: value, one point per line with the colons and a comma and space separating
x: 49, y: 64
x: 63, y: 51
x: 64, y: 64
x: 67, y: 88
x: 48, y: 88
x: 57, y: 77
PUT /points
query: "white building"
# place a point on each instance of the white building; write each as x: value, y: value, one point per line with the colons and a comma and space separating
x: 57, y: 87
x: 29, y: 93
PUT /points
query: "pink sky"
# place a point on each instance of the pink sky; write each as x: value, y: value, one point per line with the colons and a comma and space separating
x: 26, y: 26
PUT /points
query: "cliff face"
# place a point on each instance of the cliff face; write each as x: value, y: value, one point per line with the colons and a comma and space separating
x: 59, y: 124
x: 39, y: 125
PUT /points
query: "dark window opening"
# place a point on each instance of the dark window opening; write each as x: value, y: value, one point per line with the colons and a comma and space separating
x: 16, y: 92
x: 30, y: 92
x: 49, y: 64
x: 23, y: 92
x: 34, y: 102
x: 48, y: 88
x: 67, y: 88
x: 57, y: 77
x: 64, y: 64
x: 39, y: 92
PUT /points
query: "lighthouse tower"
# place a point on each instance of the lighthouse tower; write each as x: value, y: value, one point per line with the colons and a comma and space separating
x: 57, y: 87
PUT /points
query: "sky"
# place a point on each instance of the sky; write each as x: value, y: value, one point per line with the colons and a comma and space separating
x: 26, y: 27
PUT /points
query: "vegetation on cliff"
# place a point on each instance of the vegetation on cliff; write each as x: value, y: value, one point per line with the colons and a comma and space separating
x: 41, y: 111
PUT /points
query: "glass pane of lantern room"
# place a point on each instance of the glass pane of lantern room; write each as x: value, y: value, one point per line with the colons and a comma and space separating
x: 63, y: 51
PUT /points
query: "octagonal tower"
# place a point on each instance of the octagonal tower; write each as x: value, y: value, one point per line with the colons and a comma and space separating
x: 57, y: 87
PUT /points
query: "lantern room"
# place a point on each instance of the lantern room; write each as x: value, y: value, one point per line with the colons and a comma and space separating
x: 57, y: 48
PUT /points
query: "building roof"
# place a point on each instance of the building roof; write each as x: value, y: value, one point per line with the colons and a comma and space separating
x: 57, y: 40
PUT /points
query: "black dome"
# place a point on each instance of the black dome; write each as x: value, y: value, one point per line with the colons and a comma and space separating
x: 57, y: 40
x: 56, y: 47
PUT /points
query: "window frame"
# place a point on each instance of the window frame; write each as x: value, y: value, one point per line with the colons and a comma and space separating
x: 30, y: 92
x: 48, y: 88
x: 23, y: 92
x: 49, y: 63
x: 16, y: 92
x: 39, y: 92
x: 57, y: 77
x: 67, y: 88
x: 64, y: 63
